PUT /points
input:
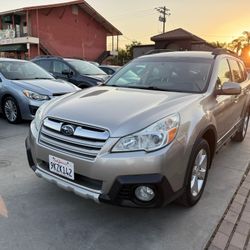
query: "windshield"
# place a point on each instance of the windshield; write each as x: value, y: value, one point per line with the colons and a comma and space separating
x: 85, y: 68
x: 176, y: 74
x: 20, y: 70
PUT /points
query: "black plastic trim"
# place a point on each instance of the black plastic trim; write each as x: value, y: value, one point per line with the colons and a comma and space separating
x: 158, y: 182
x: 29, y: 155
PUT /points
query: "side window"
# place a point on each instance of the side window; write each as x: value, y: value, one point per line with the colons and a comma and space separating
x: 235, y: 71
x: 59, y: 67
x: 224, y: 74
x: 243, y: 71
x: 45, y: 64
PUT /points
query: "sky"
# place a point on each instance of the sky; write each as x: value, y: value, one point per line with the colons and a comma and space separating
x: 212, y: 20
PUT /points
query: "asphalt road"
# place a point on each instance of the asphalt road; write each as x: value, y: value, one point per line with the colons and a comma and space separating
x: 36, y: 215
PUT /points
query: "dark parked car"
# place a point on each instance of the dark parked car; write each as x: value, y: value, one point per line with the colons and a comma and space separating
x: 109, y: 69
x: 81, y: 73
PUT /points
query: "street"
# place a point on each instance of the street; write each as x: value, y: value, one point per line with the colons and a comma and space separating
x: 38, y: 215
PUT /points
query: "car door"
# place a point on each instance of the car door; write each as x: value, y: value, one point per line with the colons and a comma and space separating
x: 224, y: 104
x: 245, y: 84
x: 239, y: 101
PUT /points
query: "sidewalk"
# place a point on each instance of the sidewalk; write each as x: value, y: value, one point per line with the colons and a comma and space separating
x: 233, y: 231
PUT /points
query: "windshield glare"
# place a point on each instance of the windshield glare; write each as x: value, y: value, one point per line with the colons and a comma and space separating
x: 85, y: 68
x: 19, y: 70
x: 170, y: 75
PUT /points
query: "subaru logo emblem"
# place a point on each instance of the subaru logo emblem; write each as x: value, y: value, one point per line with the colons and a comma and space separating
x: 67, y: 130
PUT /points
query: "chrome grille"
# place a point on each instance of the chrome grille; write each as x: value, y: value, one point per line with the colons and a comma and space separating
x: 86, y: 142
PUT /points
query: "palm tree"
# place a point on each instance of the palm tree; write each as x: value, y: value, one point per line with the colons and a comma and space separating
x: 247, y: 35
x: 237, y: 44
x: 240, y: 43
x: 218, y: 44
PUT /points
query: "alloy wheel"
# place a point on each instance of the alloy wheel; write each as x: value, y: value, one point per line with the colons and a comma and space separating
x: 10, y: 110
x: 199, y: 172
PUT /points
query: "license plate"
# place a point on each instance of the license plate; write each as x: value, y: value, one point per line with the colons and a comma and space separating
x: 61, y: 167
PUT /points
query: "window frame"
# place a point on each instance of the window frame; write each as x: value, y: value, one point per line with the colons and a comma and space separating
x: 233, y: 78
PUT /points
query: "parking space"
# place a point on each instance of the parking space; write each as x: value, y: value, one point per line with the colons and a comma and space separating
x: 35, y: 214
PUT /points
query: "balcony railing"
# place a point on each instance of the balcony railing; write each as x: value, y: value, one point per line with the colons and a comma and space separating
x: 10, y: 36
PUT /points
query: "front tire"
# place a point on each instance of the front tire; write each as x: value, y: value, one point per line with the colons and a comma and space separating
x: 241, y: 133
x: 197, y: 173
x: 11, y: 110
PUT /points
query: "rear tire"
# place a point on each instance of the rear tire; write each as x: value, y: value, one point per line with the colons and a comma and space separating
x: 197, y: 173
x: 11, y: 110
x: 241, y: 133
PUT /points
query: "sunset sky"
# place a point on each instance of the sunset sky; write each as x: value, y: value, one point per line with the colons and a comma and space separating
x: 213, y: 20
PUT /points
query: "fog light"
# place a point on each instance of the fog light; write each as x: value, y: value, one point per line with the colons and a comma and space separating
x: 144, y: 193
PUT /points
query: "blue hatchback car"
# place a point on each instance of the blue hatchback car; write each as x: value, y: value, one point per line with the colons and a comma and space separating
x: 24, y: 87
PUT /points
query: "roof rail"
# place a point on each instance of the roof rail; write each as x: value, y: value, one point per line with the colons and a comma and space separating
x: 221, y: 51
x: 48, y: 56
x: 157, y: 51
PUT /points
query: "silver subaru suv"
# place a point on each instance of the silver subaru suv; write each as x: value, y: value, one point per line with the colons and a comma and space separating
x: 148, y: 135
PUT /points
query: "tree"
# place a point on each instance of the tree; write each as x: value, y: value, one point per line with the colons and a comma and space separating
x: 240, y: 43
x: 241, y: 46
x: 247, y: 35
x: 125, y: 55
x: 218, y: 44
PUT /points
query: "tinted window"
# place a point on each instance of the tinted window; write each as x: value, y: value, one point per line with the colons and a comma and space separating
x: 46, y: 64
x: 85, y: 68
x: 107, y: 70
x: 243, y: 71
x: 59, y: 67
x: 224, y: 74
x: 21, y: 70
x: 235, y: 71
x: 169, y: 74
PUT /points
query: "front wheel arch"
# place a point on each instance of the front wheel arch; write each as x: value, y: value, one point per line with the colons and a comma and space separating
x: 186, y: 198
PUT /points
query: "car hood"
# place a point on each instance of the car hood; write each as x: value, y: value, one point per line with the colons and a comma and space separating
x: 46, y: 86
x: 120, y: 110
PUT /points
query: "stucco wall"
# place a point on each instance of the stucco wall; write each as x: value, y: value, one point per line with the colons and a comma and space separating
x: 69, y: 34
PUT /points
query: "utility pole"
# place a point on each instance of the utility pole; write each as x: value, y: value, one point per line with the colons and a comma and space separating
x: 164, y: 11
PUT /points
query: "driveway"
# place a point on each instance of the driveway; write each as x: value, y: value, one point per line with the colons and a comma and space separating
x: 38, y: 215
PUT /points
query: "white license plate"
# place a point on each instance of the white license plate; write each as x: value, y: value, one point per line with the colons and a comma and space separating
x: 61, y: 167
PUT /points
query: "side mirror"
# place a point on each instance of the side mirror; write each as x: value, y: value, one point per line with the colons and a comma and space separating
x: 229, y: 88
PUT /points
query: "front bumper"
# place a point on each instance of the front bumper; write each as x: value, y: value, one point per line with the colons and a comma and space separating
x: 29, y: 107
x: 119, y: 176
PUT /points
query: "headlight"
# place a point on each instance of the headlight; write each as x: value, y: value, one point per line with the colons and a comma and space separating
x: 151, y: 138
x: 35, y: 96
x: 39, y: 115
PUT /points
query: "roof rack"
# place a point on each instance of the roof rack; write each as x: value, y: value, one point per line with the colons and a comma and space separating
x: 157, y: 51
x: 221, y: 51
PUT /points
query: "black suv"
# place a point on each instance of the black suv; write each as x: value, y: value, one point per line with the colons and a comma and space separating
x: 81, y: 73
